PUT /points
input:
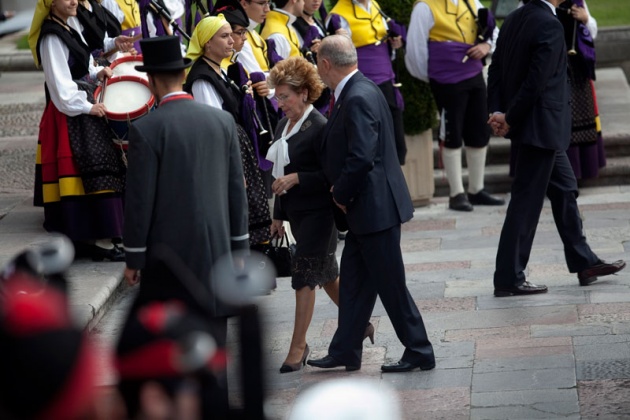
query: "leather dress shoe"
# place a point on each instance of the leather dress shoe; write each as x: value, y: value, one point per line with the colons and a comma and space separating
x: 330, y: 362
x: 402, y: 366
x: 602, y: 268
x: 459, y: 203
x: 114, y: 254
x: 482, y: 198
x: 526, y: 288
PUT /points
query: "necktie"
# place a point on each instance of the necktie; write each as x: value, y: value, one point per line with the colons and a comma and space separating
x: 331, y: 105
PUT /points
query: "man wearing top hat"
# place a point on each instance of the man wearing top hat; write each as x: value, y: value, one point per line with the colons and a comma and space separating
x: 185, y: 188
x: 185, y: 199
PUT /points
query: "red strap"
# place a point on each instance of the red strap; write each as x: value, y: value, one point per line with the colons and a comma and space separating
x: 176, y: 97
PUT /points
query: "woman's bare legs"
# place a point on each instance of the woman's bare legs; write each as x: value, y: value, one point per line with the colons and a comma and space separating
x: 304, y: 306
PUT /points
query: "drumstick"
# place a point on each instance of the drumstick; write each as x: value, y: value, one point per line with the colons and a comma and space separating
x: 102, y: 95
x: 115, y: 49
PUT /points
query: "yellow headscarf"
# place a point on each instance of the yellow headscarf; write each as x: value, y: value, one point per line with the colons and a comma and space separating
x: 42, y: 10
x: 205, y: 29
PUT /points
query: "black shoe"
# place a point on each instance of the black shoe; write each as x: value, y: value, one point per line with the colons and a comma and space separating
x: 603, y: 268
x: 294, y: 367
x: 402, y: 366
x: 330, y: 362
x: 459, y: 203
x: 526, y: 288
x: 114, y: 254
x: 482, y: 198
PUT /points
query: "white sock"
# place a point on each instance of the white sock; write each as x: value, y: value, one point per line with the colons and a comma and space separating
x: 104, y: 243
x: 452, y: 159
x: 476, y: 160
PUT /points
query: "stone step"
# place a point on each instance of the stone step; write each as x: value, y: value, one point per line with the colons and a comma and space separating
x: 499, y: 149
x: 497, y: 180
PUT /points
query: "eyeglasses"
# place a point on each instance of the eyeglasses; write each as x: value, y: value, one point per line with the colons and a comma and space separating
x: 242, y: 33
x: 262, y: 4
x: 283, y: 98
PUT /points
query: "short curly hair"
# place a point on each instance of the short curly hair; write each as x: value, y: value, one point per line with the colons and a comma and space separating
x: 297, y: 73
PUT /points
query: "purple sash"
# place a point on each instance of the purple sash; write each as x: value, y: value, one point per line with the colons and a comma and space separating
x: 446, y: 62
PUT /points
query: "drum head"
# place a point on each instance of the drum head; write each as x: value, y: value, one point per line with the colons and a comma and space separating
x: 126, y: 98
x: 125, y: 66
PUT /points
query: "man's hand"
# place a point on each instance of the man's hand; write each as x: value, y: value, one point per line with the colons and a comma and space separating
x: 132, y: 276
x: 499, y: 126
x: 479, y: 51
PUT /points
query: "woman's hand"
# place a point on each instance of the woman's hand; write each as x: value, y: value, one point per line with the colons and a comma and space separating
x: 283, y: 184
x: 395, y: 42
x: 98, y: 110
x: 277, y: 228
x: 106, y: 72
x: 315, y: 45
x: 123, y: 43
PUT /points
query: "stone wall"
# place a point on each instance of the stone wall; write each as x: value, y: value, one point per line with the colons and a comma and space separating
x: 613, y: 48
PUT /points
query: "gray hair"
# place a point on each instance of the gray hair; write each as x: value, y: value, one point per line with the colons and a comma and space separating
x: 339, y: 50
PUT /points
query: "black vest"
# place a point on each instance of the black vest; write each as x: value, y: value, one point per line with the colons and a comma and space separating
x: 96, y: 24
x: 227, y: 92
x: 79, y: 52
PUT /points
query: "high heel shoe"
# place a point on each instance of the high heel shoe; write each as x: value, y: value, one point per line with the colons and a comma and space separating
x: 294, y: 367
x: 369, y: 332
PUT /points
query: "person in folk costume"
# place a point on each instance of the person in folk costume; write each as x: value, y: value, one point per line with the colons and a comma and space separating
x: 211, y: 42
x: 258, y: 54
x: 279, y: 27
x: 79, y: 176
x: 263, y: 125
x: 586, y: 152
x: 113, y: 8
x: 369, y: 28
x: 131, y: 24
x: 155, y: 24
x: 311, y: 30
x: 446, y: 49
x: 102, y: 31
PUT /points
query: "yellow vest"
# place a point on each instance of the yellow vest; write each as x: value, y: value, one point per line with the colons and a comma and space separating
x: 131, y: 9
x: 278, y: 23
x: 367, y: 28
x: 452, y: 23
x: 259, y: 47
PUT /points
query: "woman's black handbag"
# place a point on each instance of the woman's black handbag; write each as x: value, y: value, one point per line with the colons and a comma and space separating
x: 279, y: 253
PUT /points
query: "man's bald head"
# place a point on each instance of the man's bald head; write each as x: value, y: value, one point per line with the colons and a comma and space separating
x: 339, y: 51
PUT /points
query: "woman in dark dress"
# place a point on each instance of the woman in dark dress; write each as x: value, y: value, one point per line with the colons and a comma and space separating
x: 302, y: 195
x: 210, y: 44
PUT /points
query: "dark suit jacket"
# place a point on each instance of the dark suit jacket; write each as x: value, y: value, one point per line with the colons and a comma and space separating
x: 360, y: 160
x: 527, y: 79
x: 304, y: 154
x: 185, y: 190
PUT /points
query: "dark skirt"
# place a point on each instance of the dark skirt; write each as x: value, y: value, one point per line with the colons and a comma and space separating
x: 586, y: 152
x: 314, y: 263
x: 257, y: 203
x: 79, y: 177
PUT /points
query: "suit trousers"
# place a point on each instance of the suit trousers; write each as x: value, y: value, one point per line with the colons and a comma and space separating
x: 371, y: 266
x: 540, y: 172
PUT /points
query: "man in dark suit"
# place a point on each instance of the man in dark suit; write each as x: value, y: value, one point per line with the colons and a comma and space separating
x: 528, y: 100
x: 186, y: 204
x: 371, y: 201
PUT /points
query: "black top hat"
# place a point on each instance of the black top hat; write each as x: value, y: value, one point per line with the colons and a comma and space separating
x: 232, y: 11
x: 162, y: 54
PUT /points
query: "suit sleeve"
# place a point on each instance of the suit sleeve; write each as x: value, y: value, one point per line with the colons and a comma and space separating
x: 548, y: 50
x: 139, y: 198
x: 237, y: 197
x: 362, y: 131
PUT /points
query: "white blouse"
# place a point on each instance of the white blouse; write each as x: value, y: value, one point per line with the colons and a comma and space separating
x: 204, y: 92
x: 64, y: 92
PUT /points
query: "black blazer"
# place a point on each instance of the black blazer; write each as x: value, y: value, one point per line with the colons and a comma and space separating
x: 304, y: 154
x: 360, y: 161
x: 527, y: 79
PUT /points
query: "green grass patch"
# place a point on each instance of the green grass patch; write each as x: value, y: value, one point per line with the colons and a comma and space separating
x: 22, y: 43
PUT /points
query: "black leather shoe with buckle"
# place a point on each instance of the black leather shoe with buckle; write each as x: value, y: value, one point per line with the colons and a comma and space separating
x: 459, y: 203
